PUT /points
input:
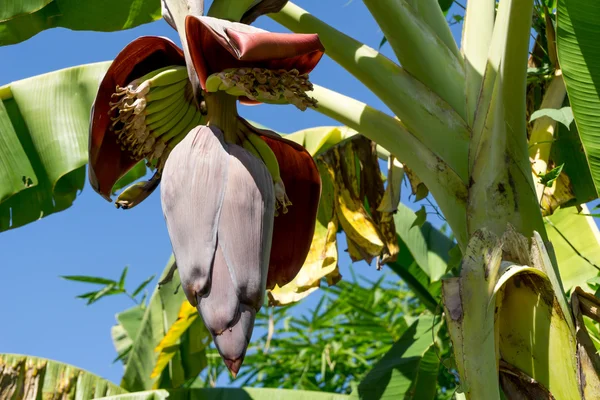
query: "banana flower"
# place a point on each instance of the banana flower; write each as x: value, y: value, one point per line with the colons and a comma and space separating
x: 240, y: 203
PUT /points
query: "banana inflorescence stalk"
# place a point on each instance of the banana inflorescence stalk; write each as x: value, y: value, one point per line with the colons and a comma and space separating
x: 154, y: 113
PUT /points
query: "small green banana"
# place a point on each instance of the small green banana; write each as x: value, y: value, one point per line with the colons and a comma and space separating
x: 155, y: 118
x: 198, y: 120
x: 138, y: 81
x: 264, y: 153
x: 182, y: 124
x: 170, y: 76
x: 137, y: 192
x: 173, y: 112
x: 261, y: 149
x: 160, y: 92
x: 158, y: 105
x: 171, y: 122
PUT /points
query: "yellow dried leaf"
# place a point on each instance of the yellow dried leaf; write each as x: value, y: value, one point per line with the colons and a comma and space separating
x: 168, y: 346
x: 357, y: 224
x: 391, y: 197
x: 321, y: 261
x: 281, y: 296
x: 371, y: 189
x: 355, y: 253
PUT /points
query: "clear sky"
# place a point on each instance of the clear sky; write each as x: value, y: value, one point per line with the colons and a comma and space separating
x: 39, y: 314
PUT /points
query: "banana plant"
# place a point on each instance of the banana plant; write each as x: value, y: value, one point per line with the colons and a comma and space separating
x: 461, y: 129
x: 483, y: 181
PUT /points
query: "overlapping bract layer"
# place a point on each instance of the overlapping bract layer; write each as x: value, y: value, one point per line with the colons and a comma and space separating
x: 218, y: 202
x: 108, y: 162
x: 294, y: 230
x: 216, y: 45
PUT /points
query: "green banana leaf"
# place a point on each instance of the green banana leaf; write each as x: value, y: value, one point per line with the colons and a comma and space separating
x: 409, y: 370
x: 188, y: 357
x: 228, y: 394
x: 317, y: 140
x: 423, y: 256
x: 578, y: 31
x: 568, y: 150
x: 41, y: 378
x: 576, y: 241
x: 22, y: 19
x: 126, y: 331
x: 44, y: 122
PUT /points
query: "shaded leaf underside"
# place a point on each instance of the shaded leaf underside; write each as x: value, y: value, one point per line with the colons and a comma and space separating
x: 22, y: 19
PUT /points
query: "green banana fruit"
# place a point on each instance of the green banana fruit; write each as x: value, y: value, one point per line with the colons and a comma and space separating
x: 173, y: 112
x: 265, y: 153
x: 170, y: 76
x: 258, y: 147
x: 151, y: 75
x: 159, y: 118
x: 158, y: 105
x: 182, y: 124
x: 160, y: 92
x: 171, y: 122
x: 137, y: 192
x: 198, y: 120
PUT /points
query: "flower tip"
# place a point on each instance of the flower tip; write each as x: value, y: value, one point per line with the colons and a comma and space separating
x: 234, y: 366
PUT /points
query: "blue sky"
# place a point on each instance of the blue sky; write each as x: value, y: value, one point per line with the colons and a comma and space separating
x: 40, y: 315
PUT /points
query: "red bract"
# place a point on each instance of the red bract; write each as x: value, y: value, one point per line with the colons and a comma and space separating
x: 293, y: 231
x: 107, y: 161
x: 216, y: 45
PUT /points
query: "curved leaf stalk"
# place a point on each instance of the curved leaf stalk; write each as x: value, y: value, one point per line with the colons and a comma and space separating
x: 476, y: 37
x: 501, y: 187
x: 445, y: 184
x: 542, y: 134
x: 420, y: 50
x: 432, y: 120
x: 430, y: 12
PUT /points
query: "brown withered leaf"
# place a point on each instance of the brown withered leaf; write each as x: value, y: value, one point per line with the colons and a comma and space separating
x: 419, y: 190
x: 360, y: 190
x: 391, y: 197
x: 558, y: 194
x: 354, y: 219
x: 352, y: 192
x: 322, y: 258
x: 372, y: 185
x: 586, y: 304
